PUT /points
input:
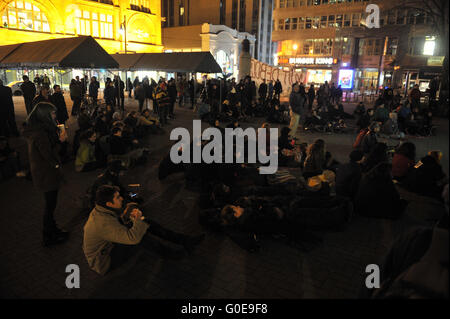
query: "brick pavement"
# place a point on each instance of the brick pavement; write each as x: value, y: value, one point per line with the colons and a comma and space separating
x: 218, y: 269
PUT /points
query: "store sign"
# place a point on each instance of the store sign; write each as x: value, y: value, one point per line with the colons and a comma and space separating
x: 311, y: 61
x: 435, y: 61
x: 346, y: 78
x: 429, y: 73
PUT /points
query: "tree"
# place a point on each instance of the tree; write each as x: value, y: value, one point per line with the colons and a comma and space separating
x: 437, y: 11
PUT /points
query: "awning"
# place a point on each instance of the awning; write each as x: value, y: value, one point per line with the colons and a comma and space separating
x: 200, y: 62
x: 78, y: 52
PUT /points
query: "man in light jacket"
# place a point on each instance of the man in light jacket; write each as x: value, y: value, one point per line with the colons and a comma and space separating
x: 104, y: 228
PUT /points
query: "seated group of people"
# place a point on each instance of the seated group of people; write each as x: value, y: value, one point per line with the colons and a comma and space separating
x: 398, y: 121
x: 105, y: 136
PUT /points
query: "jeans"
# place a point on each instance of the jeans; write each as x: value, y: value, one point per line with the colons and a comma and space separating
x: 49, y: 224
x: 293, y: 126
x: 163, y: 110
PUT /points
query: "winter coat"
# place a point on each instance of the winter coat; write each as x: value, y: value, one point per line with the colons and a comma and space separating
x: 44, y: 159
x: 76, y: 91
x: 348, y: 177
x: 101, y: 231
x: 29, y: 90
x: 401, y: 165
x: 85, y: 154
x: 297, y: 103
x: 368, y: 142
x: 93, y: 89
x: 57, y: 100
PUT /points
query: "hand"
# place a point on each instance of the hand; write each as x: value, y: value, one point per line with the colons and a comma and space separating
x: 136, y: 214
x: 62, y: 136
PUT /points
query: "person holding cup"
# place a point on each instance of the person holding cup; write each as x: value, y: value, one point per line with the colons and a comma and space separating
x: 44, y: 139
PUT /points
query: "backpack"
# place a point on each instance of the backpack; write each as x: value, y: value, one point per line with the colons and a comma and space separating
x: 360, y: 138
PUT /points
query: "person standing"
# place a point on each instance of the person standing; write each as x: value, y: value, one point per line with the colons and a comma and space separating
x: 172, y: 91
x: 58, y: 101
x: 76, y: 93
x: 93, y: 89
x: 120, y: 95
x: 192, y: 91
x: 29, y: 92
x: 297, y: 103
x: 37, y: 81
x: 139, y: 94
x: 129, y: 88
x: 270, y: 89
x: 8, y: 126
x: 136, y: 83
x: 163, y: 101
x: 278, y: 88
x: 46, y: 81
x: 109, y: 94
x: 311, y: 96
x: 415, y: 95
x: 262, y: 91
x: 84, y: 84
x: 43, y: 139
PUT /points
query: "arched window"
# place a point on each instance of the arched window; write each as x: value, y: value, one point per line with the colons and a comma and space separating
x: 20, y: 14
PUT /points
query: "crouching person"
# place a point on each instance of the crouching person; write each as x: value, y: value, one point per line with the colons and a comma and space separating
x: 105, y: 229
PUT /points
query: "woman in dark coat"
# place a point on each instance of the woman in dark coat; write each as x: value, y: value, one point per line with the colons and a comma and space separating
x: 377, y: 195
x: 43, y: 138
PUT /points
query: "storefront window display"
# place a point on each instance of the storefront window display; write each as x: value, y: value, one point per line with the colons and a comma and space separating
x: 318, y: 76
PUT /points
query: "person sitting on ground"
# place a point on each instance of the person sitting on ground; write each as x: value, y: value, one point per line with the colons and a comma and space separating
x: 83, y: 120
x: 381, y: 114
x: 377, y: 155
x: 149, y: 122
x: 123, y: 150
x: 390, y: 127
x: 348, y: 176
x: 315, y: 159
x: 403, y: 161
x: 9, y: 161
x: 365, y: 120
x: 101, y: 126
x: 108, y: 225
x: 427, y: 178
x: 404, y: 114
x: 377, y: 195
x: 85, y: 160
x: 360, y: 110
x: 370, y: 138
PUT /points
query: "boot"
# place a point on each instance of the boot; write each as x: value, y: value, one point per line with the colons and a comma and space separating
x: 55, y: 237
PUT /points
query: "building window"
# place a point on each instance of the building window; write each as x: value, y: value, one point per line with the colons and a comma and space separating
x: 234, y: 13
x: 140, y: 5
x: 294, y: 23
x: 94, y: 24
x: 347, y: 20
x: 181, y: 14
x: 401, y: 15
x: 104, y: 1
x: 356, y: 19
x: 281, y: 24
x: 331, y: 21
x: 339, y: 21
x: 223, y: 11
x: 323, y: 21
x: 282, y: 4
x: 392, y: 46
x: 242, y: 15
x: 25, y: 16
x: 308, y: 24
x: 171, y: 13
x: 255, y: 16
x: 301, y: 23
x: 429, y: 46
x: 287, y: 24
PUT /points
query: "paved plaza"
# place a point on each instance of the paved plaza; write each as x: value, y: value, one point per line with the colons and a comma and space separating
x: 218, y: 268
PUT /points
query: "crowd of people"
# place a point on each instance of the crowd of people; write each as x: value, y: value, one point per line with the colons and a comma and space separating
x: 310, y: 191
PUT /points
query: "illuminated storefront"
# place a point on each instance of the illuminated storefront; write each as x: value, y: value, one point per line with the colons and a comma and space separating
x: 108, y: 21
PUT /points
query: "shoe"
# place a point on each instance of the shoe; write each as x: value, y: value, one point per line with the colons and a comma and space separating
x: 21, y: 174
x: 192, y: 242
x: 55, y: 238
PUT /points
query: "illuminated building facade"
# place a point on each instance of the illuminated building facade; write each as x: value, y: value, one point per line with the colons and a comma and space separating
x: 325, y: 38
x: 111, y: 22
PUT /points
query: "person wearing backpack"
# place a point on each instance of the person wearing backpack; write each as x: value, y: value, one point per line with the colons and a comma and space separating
x: 297, y: 103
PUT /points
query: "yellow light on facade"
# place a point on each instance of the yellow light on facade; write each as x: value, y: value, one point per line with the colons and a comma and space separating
x: 295, y: 47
